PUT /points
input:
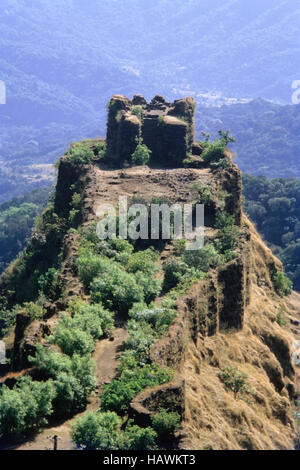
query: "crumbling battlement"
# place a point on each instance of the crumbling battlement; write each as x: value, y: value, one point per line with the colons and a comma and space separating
x: 166, y: 128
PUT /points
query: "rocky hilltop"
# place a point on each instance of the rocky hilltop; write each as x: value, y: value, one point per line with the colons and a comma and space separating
x: 166, y: 128
x: 210, y: 338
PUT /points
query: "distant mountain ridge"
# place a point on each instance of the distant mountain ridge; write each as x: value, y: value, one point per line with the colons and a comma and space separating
x: 61, y: 61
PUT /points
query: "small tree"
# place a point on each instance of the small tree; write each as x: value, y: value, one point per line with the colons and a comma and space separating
x: 226, y: 137
x: 234, y: 380
x: 141, y: 155
x: 282, y: 285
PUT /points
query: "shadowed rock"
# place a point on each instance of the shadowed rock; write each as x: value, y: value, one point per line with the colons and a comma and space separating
x: 167, y: 129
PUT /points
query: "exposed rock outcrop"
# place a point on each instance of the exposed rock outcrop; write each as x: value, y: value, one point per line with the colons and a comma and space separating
x: 167, y: 129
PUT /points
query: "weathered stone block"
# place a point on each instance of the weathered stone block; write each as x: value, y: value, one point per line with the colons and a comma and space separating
x: 166, y: 128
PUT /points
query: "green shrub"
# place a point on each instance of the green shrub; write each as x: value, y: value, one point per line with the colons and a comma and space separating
x: 145, y: 327
x: 72, y: 340
x: 159, y: 318
x: 72, y: 395
x: 223, y: 219
x: 102, y: 431
x: 90, y: 265
x: 93, y: 319
x: 213, y: 153
x: 179, y: 246
x: 282, y: 285
x: 50, y: 362
x: 225, y: 137
x: 165, y: 422
x: 26, y: 407
x: 118, y: 395
x: 75, y: 210
x: 280, y: 317
x: 100, y: 149
x: 143, y: 261
x: 116, y: 289
x: 138, y: 111
x: 142, y: 264
x: 141, y: 338
x: 73, y: 378
x: 234, y: 380
x: 80, y: 154
x: 33, y: 310
x: 151, y: 286
x: 203, y: 259
x: 97, y: 431
x: 116, y: 248
x: 51, y: 284
x: 120, y: 245
x: 136, y: 438
x: 141, y: 155
x: 174, y: 270
x: 188, y: 162
x: 8, y: 319
x: 142, y: 313
x: 202, y: 191
x: 227, y: 238
x: 222, y: 197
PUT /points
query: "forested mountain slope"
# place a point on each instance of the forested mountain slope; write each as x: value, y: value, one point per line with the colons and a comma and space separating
x: 274, y: 205
x: 267, y: 135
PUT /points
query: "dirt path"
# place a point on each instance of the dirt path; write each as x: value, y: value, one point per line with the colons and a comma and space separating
x: 106, y: 358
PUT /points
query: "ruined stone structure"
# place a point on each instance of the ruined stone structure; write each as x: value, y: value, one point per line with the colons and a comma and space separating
x: 166, y: 128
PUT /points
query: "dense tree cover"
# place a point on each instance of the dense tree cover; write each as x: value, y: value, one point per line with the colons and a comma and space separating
x: 16, y: 222
x: 267, y: 135
x: 274, y: 205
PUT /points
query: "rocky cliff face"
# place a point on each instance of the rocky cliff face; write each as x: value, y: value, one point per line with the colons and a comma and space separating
x: 167, y: 129
x: 227, y: 321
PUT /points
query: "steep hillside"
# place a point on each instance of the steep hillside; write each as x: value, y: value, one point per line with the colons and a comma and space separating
x: 274, y: 206
x: 185, y: 349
